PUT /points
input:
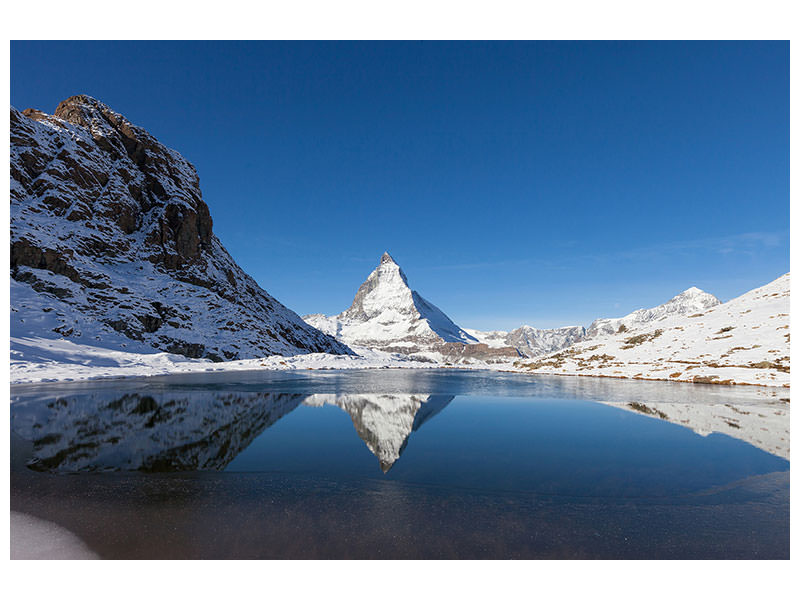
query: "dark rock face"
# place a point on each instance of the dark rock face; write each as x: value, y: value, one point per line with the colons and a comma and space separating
x: 115, y: 220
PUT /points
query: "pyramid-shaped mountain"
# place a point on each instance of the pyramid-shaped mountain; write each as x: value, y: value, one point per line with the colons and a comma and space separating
x: 386, y: 314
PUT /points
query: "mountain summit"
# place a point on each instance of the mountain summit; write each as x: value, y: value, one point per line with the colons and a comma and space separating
x: 532, y: 342
x: 691, y: 301
x: 386, y: 314
x: 113, y: 246
x: 385, y: 301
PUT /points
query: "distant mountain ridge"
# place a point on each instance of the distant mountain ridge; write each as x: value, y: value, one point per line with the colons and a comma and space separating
x: 743, y: 341
x: 691, y: 301
x: 531, y: 341
x: 112, y: 245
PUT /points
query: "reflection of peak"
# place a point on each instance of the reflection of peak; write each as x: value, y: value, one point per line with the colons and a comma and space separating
x: 385, y: 421
x: 432, y: 407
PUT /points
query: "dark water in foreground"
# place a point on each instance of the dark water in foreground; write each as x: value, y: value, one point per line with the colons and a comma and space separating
x: 405, y: 464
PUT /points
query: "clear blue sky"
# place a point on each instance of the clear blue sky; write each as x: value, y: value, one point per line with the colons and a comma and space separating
x: 539, y: 183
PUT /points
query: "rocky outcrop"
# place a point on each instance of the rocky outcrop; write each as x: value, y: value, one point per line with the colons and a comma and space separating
x: 112, y: 224
x: 530, y: 341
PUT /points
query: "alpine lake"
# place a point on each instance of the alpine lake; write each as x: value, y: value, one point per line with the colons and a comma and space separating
x: 405, y: 464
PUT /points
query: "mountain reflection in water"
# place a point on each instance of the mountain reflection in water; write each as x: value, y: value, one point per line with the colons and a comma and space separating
x: 405, y: 464
x: 171, y: 431
x: 188, y: 431
x: 385, y: 421
x: 204, y: 427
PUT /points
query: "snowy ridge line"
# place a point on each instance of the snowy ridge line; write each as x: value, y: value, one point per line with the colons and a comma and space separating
x: 744, y: 341
x: 691, y: 301
x: 690, y: 348
x: 532, y: 341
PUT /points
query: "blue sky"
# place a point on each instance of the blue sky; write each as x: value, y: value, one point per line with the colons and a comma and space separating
x: 539, y: 183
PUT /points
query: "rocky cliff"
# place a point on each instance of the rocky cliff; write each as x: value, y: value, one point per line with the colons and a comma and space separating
x: 113, y: 245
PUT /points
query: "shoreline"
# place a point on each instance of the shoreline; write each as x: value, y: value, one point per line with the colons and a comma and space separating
x: 22, y: 382
x: 723, y: 382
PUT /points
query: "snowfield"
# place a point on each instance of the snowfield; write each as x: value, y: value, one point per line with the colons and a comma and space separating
x: 41, y: 360
x: 36, y: 539
x: 743, y: 341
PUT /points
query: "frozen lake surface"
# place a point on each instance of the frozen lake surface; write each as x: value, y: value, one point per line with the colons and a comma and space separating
x: 403, y: 464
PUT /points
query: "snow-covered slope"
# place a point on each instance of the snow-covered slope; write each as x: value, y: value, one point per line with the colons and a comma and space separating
x: 691, y: 301
x: 531, y: 341
x: 112, y: 246
x: 41, y: 360
x: 385, y: 421
x: 745, y: 340
x: 388, y: 315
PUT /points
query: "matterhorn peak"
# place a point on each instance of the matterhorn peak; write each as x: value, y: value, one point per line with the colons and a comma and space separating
x: 387, y: 313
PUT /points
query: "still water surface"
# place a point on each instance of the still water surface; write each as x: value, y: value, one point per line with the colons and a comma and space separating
x: 405, y: 464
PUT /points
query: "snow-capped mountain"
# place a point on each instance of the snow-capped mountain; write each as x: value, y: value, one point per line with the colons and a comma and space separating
x: 386, y: 314
x: 744, y: 340
x: 531, y: 341
x: 385, y: 421
x: 112, y: 245
x: 691, y: 301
